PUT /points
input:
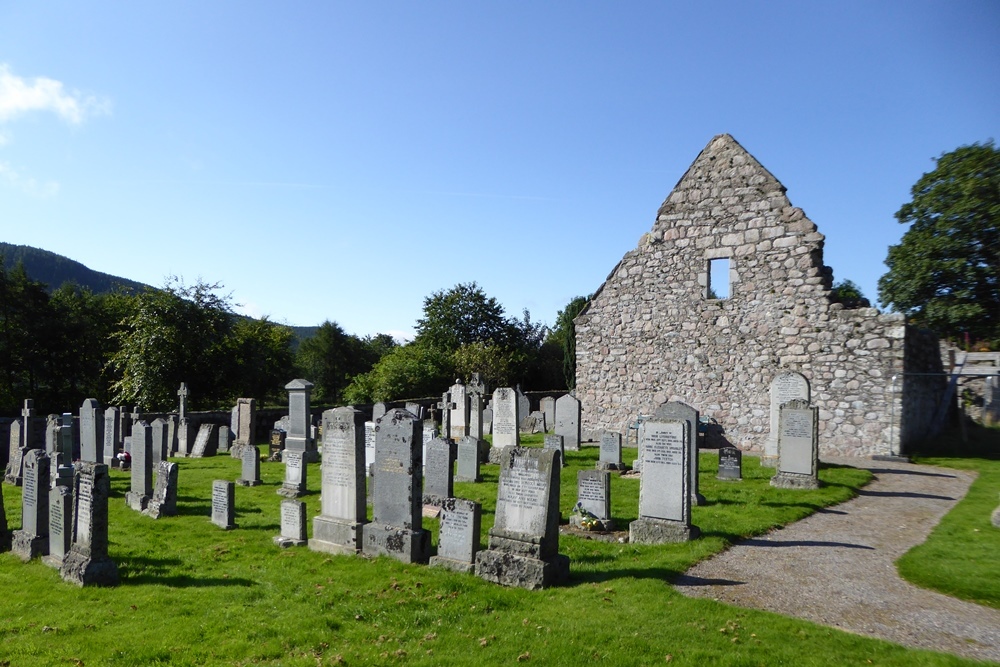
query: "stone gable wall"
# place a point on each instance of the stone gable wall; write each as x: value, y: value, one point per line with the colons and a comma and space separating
x: 651, y: 334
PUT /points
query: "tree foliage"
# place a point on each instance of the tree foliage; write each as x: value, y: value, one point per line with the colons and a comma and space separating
x: 408, y: 371
x: 945, y: 273
x: 848, y: 293
x: 460, y: 316
x: 332, y: 358
x: 564, y: 335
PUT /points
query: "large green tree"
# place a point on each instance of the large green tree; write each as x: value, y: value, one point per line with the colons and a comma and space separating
x: 331, y: 358
x: 945, y: 273
x: 564, y: 335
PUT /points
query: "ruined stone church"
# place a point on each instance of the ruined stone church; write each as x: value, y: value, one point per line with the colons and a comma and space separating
x: 661, y: 329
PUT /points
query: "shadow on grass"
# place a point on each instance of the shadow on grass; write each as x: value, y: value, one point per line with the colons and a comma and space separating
x: 143, y: 570
x: 193, y: 506
x: 666, y: 575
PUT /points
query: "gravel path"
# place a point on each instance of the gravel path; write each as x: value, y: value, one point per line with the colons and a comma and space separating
x: 836, y: 567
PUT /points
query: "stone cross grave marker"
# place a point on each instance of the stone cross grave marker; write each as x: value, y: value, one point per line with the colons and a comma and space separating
x: 142, y: 467
x: 339, y: 528
x: 568, y: 421
x: 505, y: 418
x: 91, y: 432
x: 182, y: 395
x: 249, y: 466
x: 32, y: 539
x: 88, y: 563
x: 664, y: 489
x: 786, y: 386
x: 730, y: 464
x: 164, y: 499
x: 293, y: 524
x: 397, y: 529
x: 524, y: 541
x: 675, y: 410
x: 458, y: 537
x: 798, y: 446
x: 224, y: 504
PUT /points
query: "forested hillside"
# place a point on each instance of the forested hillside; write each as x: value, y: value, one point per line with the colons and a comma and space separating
x: 54, y: 270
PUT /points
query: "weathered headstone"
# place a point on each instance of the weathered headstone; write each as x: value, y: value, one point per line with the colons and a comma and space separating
x: 12, y: 473
x: 568, y: 421
x: 249, y: 466
x: 341, y: 524
x: 416, y: 409
x: 294, y: 484
x: 91, y: 432
x: 225, y: 439
x: 185, y: 436
x: 378, y: 411
x: 161, y: 443
x: 524, y: 540
x: 458, y: 537
x: 396, y: 529
x: 66, y: 456
x: 60, y: 516
x: 469, y: 454
x: 224, y: 504
x: 460, y: 412
x: 438, y: 472
x: 246, y: 420
x: 164, y: 500
x: 786, y: 386
x: 488, y: 421
x: 33, y: 538
x: 664, y: 493
x: 548, y: 406
x: 611, y: 452
x: 553, y: 441
x: 798, y: 446
x: 730, y: 464
x: 446, y: 410
x: 142, y: 467
x: 523, y: 404
x: 505, y: 418
x: 205, y: 443
x: 593, y: 500
x: 300, y: 421
x: 87, y: 563
x: 112, y: 437
x: 171, y: 435
x: 293, y: 524
x: 677, y: 411
x: 182, y: 395
x: 369, y: 444
x: 529, y: 425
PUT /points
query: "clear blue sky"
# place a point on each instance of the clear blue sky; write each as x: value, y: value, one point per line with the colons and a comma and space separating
x: 344, y: 160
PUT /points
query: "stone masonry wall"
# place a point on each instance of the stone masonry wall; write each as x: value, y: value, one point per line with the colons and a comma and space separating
x: 652, y: 334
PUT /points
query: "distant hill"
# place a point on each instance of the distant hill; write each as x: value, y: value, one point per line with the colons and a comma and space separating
x: 54, y: 270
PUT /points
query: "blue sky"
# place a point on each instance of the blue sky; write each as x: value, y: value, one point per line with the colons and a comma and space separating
x: 342, y: 161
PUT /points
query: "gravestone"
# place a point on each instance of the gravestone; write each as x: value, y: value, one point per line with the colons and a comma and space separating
x: 469, y: 454
x: 677, y: 411
x: 524, y: 540
x: 458, y: 536
x: 12, y: 473
x: 299, y: 437
x: 798, y: 446
x: 340, y: 527
x: 396, y: 529
x: 33, y: 538
x: 548, y: 406
x: 664, y: 493
x: 446, y: 409
x: 730, y: 464
x: 593, y: 500
x: 294, y: 484
x: 205, y: 443
x: 460, y: 411
x: 60, y: 517
x: 438, y: 472
x: 416, y: 409
x: 529, y: 425
x: 555, y: 442
x: 611, y: 452
x: 378, y: 411
x: 65, y: 443
x: 91, y: 432
x: 246, y: 420
x: 276, y: 445
x: 224, y: 504
x: 182, y: 395
x: 505, y: 418
x: 185, y: 436
x: 369, y: 444
x: 488, y: 420
x: 249, y: 466
x: 87, y: 563
x: 164, y: 500
x: 786, y: 386
x: 161, y: 444
x: 283, y: 425
x: 293, y: 524
x: 429, y: 431
x: 112, y: 437
x: 568, y: 421
x: 171, y: 435
x: 523, y: 404
x: 142, y: 467
x: 225, y: 440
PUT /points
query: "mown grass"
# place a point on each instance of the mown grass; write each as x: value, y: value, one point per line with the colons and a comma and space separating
x: 193, y: 594
x: 961, y: 557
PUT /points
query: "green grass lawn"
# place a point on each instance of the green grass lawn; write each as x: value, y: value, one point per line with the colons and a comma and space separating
x: 961, y: 557
x: 193, y: 594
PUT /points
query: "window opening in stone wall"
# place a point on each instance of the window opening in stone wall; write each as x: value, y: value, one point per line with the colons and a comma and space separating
x: 718, y: 278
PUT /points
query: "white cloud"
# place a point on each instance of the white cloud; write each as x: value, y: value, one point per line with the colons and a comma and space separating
x: 12, y: 178
x: 19, y: 96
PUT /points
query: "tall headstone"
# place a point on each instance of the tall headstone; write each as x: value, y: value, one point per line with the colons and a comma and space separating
x: 246, y: 421
x: 12, y: 473
x: 91, y: 432
x: 798, y: 446
x: 224, y: 504
x: 523, y: 404
x: 142, y: 467
x: 469, y: 457
x: 446, y: 415
x: 182, y: 395
x: 28, y: 435
x: 164, y: 499
x: 340, y: 526
x: 505, y: 418
x: 60, y: 516
x: 677, y: 411
x: 568, y: 421
x: 249, y: 466
x: 369, y: 444
x: 786, y: 386
x: 458, y: 537
x: 161, y: 444
x: 460, y: 411
x: 205, y: 442
x: 547, y: 405
x: 438, y: 472
x: 33, y: 538
x: 185, y: 436
x: 593, y: 500
x: 300, y: 420
x: 396, y: 529
x: 65, y: 443
x: 664, y: 493
x: 293, y: 524
x: 87, y: 563
x: 225, y: 439
x: 112, y: 437
x: 524, y: 540
x: 730, y: 464
x: 611, y: 452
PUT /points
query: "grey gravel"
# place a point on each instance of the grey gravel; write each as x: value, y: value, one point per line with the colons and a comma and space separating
x: 837, y: 568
